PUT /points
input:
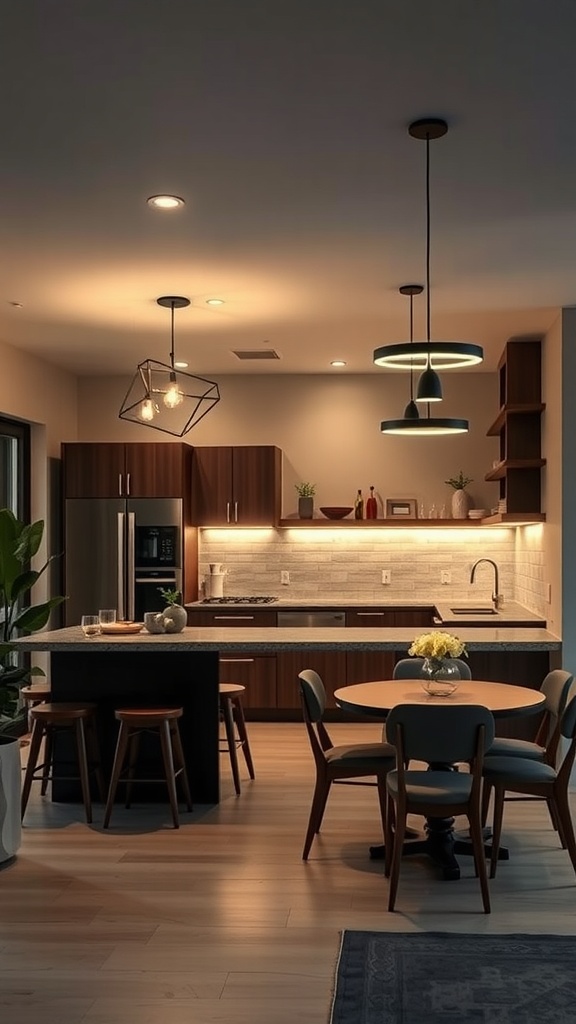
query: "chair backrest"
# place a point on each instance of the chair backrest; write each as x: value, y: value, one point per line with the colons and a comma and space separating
x: 555, y: 687
x: 313, y: 694
x: 410, y: 668
x: 440, y: 733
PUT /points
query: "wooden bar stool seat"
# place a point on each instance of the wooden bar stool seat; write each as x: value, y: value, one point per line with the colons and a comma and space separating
x: 35, y: 694
x: 47, y: 720
x: 232, y: 714
x: 164, y: 723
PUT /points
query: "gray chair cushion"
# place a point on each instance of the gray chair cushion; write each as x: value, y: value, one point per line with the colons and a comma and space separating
x: 433, y: 787
x: 358, y: 754
x: 503, y: 747
x: 501, y: 769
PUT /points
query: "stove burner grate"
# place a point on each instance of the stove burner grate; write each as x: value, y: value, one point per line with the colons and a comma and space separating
x: 239, y: 600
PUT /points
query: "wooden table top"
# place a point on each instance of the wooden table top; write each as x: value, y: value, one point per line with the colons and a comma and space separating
x: 377, y: 698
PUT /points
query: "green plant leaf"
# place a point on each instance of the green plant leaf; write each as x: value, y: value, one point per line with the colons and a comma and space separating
x: 36, y: 616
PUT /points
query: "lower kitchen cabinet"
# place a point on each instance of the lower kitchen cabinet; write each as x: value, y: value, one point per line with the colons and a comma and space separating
x: 220, y: 615
x: 368, y: 618
x: 257, y: 673
x: 330, y: 666
x: 365, y: 666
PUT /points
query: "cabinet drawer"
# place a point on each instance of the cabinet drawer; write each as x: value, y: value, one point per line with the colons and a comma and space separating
x: 256, y: 672
x: 225, y: 617
x: 367, y: 618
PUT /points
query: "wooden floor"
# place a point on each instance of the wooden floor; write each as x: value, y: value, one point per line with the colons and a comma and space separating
x: 221, y: 921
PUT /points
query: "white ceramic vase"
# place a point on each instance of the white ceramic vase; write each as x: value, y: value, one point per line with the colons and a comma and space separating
x: 175, y: 618
x: 461, y: 503
x: 10, y: 784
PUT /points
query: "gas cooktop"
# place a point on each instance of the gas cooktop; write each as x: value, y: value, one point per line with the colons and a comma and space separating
x: 239, y: 600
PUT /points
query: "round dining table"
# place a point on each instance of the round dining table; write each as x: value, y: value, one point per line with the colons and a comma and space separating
x: 441, y: 843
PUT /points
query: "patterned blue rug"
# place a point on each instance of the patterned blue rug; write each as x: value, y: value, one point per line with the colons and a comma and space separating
x: 448, y: 978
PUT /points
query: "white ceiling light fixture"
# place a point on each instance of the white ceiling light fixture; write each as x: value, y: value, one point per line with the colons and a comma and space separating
x: 428, y: 356
x: 165, y: 202
x: 215, y: 302
x: 338, y: 362
x: 412, y: 424
x: 162, y: 396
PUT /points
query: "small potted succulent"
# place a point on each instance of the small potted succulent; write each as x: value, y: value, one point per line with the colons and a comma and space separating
x: 174, y: 615
x: 461, y: 500
x: 306, y: 494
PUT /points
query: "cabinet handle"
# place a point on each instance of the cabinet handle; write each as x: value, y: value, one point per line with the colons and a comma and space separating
x: 235, y: 618
x: 237, y: 661
x: 227, y: 511
x: 235, y: 511
x: 128, y: 485
x: 120, y: 484
x: 370, y: 614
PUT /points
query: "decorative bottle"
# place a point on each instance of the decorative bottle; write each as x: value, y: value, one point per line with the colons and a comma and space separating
x: 359, y: 506
x: 371, y: 506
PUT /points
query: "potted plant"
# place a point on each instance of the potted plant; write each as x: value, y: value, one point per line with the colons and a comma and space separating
x: 19, y: 542
x: 174, y: 615
x: 461, y: 500
x: 306, y: 494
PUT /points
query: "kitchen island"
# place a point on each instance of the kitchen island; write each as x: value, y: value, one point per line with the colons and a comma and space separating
x: 183, y: 668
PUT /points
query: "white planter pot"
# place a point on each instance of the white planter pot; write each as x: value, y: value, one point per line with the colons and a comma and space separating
x: 175, y: 618
x: 461, y: 503
x: 10, y: 789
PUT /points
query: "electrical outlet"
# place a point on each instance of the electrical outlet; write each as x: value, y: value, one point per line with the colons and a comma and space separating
x: 445, y: 576
x: 284, y: 577
x: 386, y: 576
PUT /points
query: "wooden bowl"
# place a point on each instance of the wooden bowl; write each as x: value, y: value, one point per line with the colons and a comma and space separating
x: 336, y: 511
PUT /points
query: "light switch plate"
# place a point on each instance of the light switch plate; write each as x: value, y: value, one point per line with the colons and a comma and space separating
x: 445, y: 576
x: 386, y: 576
x: 284, y: 577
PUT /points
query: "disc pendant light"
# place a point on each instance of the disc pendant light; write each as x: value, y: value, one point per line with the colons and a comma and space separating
x: 428, y: 356
x: 163, y: 396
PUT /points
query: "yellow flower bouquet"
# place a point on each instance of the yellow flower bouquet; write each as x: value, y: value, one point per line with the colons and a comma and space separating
x: 437, y: 645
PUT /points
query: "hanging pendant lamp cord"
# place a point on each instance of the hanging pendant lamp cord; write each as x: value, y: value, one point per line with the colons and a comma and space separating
x: 428, y: 244
x: 172, y: 335
x: 411, y: 342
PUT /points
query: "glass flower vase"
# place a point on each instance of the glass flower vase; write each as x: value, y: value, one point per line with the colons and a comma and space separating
x: 440, y: 676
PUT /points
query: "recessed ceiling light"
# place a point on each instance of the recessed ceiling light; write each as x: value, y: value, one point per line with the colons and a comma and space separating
x: 214, y: 302
x: 181, y: 366
x: 165, y: 202
x: 338, y: 362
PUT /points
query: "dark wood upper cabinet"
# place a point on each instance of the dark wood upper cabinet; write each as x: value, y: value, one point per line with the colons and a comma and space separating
x: 237, y: 486
x: 146, y: 470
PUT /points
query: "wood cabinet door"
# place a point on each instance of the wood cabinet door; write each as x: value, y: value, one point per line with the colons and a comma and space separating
x: 155, y: 470
x: 256, y: 673
x: 220, y: 615
x: 212, y: 503
x: 368, y: 618
x: 256, y: 481
x: 330, y: 666
x: 414, y: 617
x: 366, y: 666
x: 93, y: 470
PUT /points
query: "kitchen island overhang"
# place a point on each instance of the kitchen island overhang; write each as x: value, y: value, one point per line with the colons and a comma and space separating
x: 183, y: 669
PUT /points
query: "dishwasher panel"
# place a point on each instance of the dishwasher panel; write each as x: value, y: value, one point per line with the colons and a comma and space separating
x: 314, y: 619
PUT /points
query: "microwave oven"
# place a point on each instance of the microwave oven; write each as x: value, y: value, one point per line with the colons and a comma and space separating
x: 157, y: 547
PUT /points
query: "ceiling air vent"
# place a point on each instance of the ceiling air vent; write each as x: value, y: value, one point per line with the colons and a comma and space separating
x: 260, y: 353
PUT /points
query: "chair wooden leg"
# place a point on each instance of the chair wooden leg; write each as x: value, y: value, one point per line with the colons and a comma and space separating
x: 238, y: 713
x: 316, y: 813
x: 565, y: 826
x: 133, y: 748
x: 121, y: 747
x: 382, y: 800
x: 94, y: 754
x: 554, y: 819
x: 228, y: 716
x: 496, y: 828
x: 389, y: 837
x: 399, y: 834
x: 486, y: 792
x: 181, y: 762
x: 33, y: 753
x: 479, y: 858
x: 48, y: 754
x: 169, y: 770
x: 80, y: 735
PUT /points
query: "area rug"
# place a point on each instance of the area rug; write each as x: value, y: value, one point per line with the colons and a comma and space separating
x: 447, y: 978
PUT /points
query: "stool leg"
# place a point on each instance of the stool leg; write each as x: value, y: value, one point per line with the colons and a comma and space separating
x: 35, y: 744
x: 94, y: 749
x: 228, y: 716
x: 83, y: 765
x: 238, y: 712
x: 134, y: 747
x: 121, y: 745
x: 179, y: 752
x: 48, y: 753
x: 169, y: 770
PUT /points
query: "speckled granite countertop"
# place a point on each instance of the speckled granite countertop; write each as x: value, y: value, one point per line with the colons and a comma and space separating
x: 272, y: 639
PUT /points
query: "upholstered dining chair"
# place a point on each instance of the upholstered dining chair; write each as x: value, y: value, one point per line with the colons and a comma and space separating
x: 536, y: 778
x: 438, y: 735
x: 337, y: 763
x: 410, y: 668
x: 555, y: 687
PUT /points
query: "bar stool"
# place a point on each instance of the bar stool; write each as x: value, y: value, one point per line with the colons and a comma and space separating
x: 49, y: 719
x: 232, y: 714
x: 164, y: 722
x: 35, y: 694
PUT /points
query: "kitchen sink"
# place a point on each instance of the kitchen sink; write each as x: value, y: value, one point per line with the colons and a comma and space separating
x: 473, y: 611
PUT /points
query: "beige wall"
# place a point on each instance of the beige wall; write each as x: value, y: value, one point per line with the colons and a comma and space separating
x: 34, y: 390
x: 329, y: 430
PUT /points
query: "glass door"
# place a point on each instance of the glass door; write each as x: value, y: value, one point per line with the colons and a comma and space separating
x: 15, y: 467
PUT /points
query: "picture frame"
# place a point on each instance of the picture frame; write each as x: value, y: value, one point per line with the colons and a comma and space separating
x: 401, y: 508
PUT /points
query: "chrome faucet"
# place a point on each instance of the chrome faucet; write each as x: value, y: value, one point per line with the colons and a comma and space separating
x: 497, y: 597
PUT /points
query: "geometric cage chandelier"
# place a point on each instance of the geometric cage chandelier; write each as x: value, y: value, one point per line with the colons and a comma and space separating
x: 428, y: 355
x: 166, y: 398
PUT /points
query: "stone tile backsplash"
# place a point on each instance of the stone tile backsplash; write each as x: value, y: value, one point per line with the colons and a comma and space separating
x: 349, y: 564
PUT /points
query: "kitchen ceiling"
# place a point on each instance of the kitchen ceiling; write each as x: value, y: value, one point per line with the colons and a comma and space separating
x: 283, y: 124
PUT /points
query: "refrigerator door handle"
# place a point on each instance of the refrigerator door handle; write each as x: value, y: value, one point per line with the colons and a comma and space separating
x: 120, y: 574
x: 119, y: 485
x: 131, y: 565
x: 127, y: 485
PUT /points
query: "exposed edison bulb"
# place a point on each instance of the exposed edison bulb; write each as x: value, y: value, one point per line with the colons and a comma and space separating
x: 147, y: 410
x: 173, y: 397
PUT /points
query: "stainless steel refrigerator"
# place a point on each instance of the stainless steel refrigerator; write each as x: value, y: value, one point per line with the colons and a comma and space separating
x: 118, y: 553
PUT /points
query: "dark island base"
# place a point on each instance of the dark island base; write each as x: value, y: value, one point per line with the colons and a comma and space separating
x: 137, y: 679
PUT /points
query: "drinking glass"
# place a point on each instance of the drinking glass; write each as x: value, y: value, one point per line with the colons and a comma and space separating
x: 90, y: 625
x: 106, y: 615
